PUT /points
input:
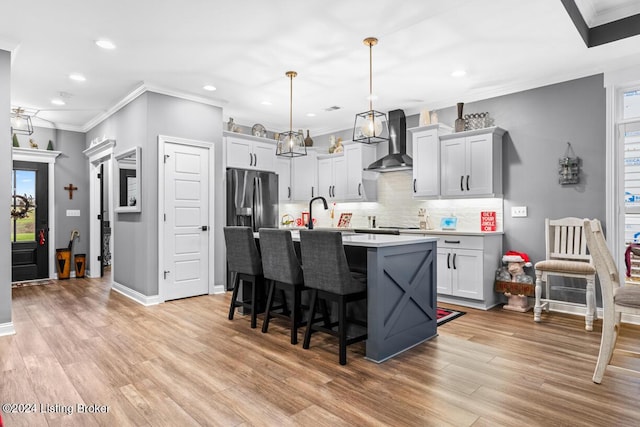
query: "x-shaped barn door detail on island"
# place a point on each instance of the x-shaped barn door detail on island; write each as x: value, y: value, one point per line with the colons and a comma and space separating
x: 403, y: 289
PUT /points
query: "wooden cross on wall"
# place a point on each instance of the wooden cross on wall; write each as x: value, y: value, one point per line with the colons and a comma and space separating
x: 70, y: 189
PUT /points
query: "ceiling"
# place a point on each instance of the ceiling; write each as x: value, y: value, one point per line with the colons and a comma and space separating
x: 244, y: 49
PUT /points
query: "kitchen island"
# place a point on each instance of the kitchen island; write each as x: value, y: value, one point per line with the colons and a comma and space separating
x: 401, y: 286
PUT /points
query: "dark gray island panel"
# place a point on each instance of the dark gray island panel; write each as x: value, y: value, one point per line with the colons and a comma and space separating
x: 402, y: 298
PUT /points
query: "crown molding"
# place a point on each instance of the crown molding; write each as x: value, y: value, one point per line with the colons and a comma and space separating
x: 141, y: 89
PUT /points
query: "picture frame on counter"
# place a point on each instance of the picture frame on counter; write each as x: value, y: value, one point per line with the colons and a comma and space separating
x: 345, y: 220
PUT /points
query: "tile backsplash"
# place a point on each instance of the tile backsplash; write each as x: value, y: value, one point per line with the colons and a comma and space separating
x: 396, y: 207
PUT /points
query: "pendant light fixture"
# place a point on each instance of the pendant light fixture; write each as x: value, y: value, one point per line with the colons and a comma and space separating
x: 371, y: 126
x: 21, y: 122
x: 290, y: 143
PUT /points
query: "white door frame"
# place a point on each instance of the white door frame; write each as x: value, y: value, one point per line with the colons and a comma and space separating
x: 101, y: 152
x: 44, y: 156
x: 162, y: 140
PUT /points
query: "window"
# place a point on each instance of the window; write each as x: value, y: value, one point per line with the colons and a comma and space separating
x: 631, y: 104
x: 23, y: 205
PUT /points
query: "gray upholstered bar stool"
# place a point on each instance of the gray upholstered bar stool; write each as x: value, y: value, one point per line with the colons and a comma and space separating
x: 326, y: 273
x: 282, y: 268
x: 244, y: 262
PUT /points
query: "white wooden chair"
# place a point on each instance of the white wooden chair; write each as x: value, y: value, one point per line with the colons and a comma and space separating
x: 616, y: 299
x: 566, y: 256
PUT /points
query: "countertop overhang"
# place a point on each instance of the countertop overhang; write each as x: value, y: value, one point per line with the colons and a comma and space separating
x: 372, y: 240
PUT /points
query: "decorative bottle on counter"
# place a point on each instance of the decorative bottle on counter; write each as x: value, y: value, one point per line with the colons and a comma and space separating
x: 459, y: 125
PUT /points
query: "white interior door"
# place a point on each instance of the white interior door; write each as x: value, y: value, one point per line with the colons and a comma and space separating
x: 187, y: 228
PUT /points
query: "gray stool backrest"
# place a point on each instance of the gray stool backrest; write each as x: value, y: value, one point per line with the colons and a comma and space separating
x: 242, y: 252
x: 324, y: 262
x: 279, y: 259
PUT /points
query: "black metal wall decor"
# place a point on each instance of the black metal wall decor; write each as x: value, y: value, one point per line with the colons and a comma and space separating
x: 569, y: 167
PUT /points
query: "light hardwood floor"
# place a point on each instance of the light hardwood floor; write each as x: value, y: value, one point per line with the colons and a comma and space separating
x: 183, y: 363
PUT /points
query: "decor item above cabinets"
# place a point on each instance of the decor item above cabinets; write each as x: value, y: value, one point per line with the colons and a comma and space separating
x: 426, y: 159
x: 250, y: 152
x: 341, y: 177
x: 471, y: 163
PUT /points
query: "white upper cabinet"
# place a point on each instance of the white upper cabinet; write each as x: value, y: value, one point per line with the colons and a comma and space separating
x: 361, y: 185
x: 250, y: 152
x: 471, y: 163
x: 304, y: 176
x: 426, y: 159
x: 341, y: 177
x: 332, y: 177
x: 283, y: 169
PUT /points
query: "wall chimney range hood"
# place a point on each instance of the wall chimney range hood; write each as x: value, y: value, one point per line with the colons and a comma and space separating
x: 397, y: 159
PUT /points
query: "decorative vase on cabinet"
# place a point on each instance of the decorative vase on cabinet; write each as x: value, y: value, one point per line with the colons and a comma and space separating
x: 459, y: 125
x: 308, y: 142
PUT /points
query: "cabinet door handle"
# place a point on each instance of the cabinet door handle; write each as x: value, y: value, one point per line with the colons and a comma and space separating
x: 312, y: 191
x: 454, y: 261
x: 467, y: 182
x: 414, y: 185
x: 359, y: 186
x: 255, y: 159
x: 461, y: 182
x: 448, y: 257
x: 250, y: 159
x: 288, y: 192
x: 452, y: 241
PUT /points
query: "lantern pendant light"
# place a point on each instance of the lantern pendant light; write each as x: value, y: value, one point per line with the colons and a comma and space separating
x: 290, y: 143
x: 371, y: 126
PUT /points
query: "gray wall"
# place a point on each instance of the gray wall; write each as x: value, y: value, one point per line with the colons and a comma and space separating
x: 5, y: 185
x: 135, y: 259
x: 71, y: 167
x: 539, y: 123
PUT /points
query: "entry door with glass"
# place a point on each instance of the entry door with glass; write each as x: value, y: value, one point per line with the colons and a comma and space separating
x: 29, y: 221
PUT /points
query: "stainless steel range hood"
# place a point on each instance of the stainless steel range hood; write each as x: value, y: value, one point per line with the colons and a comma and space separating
x: 397, y: 159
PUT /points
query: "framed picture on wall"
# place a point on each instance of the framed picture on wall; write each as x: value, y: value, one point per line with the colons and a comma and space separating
x: 345, y: 220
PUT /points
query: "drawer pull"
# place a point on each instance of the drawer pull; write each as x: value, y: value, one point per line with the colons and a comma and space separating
x: 452, y: 241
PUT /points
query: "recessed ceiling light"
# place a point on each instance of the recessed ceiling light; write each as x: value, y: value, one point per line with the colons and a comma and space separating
x: 77, y: 77
x: 105, y: 44
x: 57, y: 101
x: 210, y: 88
x: 266, y: 103
x: 458, y: 73
x: 311, y: 114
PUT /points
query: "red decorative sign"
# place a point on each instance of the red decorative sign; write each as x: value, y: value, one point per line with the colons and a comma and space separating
x: 487, y: 221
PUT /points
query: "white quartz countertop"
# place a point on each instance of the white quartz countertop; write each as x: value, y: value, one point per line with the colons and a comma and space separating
x: 374, y: 240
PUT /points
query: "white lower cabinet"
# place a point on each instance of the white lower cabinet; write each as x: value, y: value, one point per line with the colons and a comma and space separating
x: 466, y: 269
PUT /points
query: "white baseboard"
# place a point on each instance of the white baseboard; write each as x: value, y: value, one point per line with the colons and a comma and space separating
x: 7, y: 329
x: 135, y: 295
x: 217, y: 289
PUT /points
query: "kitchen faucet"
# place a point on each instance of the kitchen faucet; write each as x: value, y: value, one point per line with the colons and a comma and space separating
x: 324, y: 201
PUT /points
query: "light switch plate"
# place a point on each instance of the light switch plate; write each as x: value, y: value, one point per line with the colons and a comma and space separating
x: 518, y: 211
x: 73, y: 212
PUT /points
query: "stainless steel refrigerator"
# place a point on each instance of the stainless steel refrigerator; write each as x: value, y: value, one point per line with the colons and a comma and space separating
x: 252, y: 200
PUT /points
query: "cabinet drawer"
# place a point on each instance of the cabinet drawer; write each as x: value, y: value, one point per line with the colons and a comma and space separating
x: 462, y: 242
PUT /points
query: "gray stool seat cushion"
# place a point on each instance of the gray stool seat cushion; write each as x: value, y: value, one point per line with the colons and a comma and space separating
x: 324, y: 264
x: 279, y: 259
x: 242, y: 252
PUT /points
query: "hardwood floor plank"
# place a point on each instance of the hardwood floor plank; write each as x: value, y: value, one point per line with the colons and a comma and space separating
x: 184, y: 363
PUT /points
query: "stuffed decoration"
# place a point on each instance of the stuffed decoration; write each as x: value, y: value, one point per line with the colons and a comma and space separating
x: 513, y: 281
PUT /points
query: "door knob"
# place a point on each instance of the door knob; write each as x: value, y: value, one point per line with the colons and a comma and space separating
x: 204, y: 228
